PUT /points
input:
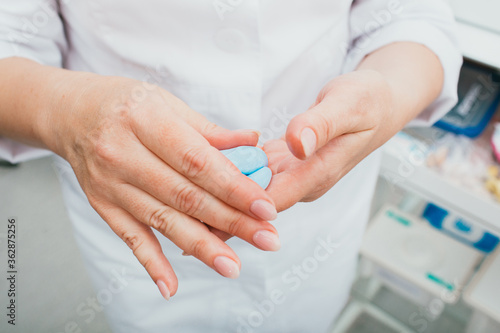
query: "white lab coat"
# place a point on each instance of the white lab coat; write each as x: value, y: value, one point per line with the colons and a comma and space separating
x: 243, y: 64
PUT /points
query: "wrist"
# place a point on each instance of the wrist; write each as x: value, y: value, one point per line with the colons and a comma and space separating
x: 414, y: 74
x: 60, y: 104
x: 388, y: 96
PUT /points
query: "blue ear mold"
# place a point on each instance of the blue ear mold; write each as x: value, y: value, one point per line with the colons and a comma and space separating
x: 247, y: 159
x: 262, y: 177
x: 251, y: 161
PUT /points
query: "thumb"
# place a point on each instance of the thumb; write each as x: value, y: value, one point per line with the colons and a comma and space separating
x: 333, y: 116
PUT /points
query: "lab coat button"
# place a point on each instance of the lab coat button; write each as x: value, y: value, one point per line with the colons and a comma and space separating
x: 230, y: 40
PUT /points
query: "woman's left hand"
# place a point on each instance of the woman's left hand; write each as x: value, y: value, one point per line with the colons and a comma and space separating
x: 352, y: 116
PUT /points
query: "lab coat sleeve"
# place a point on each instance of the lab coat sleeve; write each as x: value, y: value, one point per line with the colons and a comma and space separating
x: 376, y: 23
x: 31, y: 29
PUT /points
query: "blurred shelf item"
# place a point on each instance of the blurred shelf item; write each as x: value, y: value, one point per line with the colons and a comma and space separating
x: 363, y: 317
x: 7, y: 164
x: 432, y: 317
x: 483, y: 293
x: 406, y: 168
x: 478, y: 98
x: 417, y: 260
x: 465, y: 231
x: 480, y: 322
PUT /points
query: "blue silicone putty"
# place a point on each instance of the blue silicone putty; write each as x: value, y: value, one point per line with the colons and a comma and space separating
x: 251, y: 161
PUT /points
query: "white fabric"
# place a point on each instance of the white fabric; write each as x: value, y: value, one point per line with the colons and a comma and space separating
x: 243, y: 64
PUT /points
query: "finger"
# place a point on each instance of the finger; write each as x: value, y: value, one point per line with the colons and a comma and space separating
x: 219, y: 137
x: 190, y: 200
x: 145, y: 247
x: 341, y: 154
x: 252, y: 162
x: 185, y: 150
x: 277, y: 152
x: 222, y: 138
x: 263, y: 178
x: 287, y: 189
x: 223, y: 236
x: 187, y: 233
x: 292, y: 178
x: 334, y: 115
x: 160, y: 181
x: 308, y: 180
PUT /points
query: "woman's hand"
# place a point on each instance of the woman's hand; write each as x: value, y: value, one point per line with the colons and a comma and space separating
x: 353, y: 115
x: 152, y: 162
x: 349, y: 120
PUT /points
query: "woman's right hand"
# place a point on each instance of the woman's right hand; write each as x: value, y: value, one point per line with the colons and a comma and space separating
x: 146, y: 160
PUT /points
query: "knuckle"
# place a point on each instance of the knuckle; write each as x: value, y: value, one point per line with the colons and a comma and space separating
x: 189, y: 200
x: 209, y: 128
x: 95, y: 184
x: 100, y: 205
x: 148, y: 264
x: 105, y: 151
x: 199, y: 248
x: 194, y: 162
x: 235, y: 224
x: 92, y: 199
x: 232, y: 189
x: 122, y: 113
x: 160, y: 219
x: 325, y: 125
x: 133, y: 241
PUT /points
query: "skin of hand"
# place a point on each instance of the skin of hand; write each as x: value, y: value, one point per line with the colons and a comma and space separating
x: 353, y: 115
x: 144, y: 163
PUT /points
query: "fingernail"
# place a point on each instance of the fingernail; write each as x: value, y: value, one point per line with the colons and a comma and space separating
x: 308, y: 140
x: 163, y: 289
x: 247, y: 131
x: 267, y: 240
x: 227, y: 267
x: 264, y: 210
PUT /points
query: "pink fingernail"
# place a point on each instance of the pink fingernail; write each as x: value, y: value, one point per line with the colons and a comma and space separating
x: 264, y: 210
x: 227, y: 267
x: 267, y: 240
x: 248, y: 131
x: 163, y: 289
x: 308, y: 140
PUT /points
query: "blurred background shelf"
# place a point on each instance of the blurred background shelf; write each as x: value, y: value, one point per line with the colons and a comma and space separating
x: 432, y: 186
